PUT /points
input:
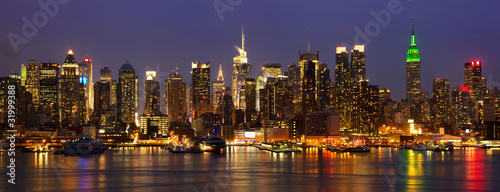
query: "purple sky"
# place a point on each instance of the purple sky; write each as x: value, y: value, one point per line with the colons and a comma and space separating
x: 159, y: 34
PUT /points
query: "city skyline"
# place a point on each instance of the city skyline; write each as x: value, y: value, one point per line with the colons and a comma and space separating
x: 386, y: 50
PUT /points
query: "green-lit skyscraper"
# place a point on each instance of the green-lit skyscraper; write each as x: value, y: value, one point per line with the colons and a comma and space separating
x: 412, y: 69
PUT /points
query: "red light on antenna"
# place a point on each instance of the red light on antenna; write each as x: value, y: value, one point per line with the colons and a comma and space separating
x: 86, y: 60
x: 477, y: 62
x: 473, y: 63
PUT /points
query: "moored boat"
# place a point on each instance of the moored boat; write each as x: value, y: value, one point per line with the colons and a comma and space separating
x: 36, y: 149
x: 83, y: 146
x: 419, y: 147
x: 484, y: 146
x: 213, y: 144
x: 358, y: 149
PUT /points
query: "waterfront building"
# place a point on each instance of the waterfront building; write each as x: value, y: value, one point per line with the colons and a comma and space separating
x: 322, y: 123
x: 153, y: 125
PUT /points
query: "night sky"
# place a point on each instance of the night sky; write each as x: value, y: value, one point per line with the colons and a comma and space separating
x: 159, y: 34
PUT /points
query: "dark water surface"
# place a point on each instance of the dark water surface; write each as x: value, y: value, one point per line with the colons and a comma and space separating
x: 249, y: 169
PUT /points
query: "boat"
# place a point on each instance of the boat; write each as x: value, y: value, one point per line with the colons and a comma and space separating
x: 36, y: 149
x: 358, y: 149
x: 58, y: 152
x: 431, y: 146
x: 287, y: 150
x: 259, y: 146
x: 405, y: 146
x: 484, y: 146
x: 213, y: 144
x: 336, y: 148
x: 419, y: 147
x: 83, y: 146
x: 184, y: 148
x: 447, y: 147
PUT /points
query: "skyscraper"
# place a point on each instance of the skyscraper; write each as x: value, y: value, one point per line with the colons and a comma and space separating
x: 151, y: 94
x: 73, y: 103
x: 369, y: 106
x: 413, y: 69
x: 200, y: 92
x: 473, y: 80
x: 259, y: 84
x: 250, y: 101
x: 295, y: 82
x: 441, y: 97
x: 360, y: 89
x: 304, y: 59
x: 271, y: 70
x: 227, y: 109
x: 175, y: 94
x: 218, y: 87
x: 85, y: 71
x: 33, y: 82
x: 323, y: 93
x: 241, y: 70
x: 49, y: 91
x: 460, y: 106
x: 309, y: 88
x: 277, y: 99
x: 126, y: 93
x: 5, y: 83
x: 105, y: 74
x: 358, y: 71
x: 343, y: 81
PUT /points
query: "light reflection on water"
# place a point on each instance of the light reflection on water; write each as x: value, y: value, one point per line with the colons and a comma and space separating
x: 249, y: 169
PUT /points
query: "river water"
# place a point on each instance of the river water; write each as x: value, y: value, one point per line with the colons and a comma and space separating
x: 250, y: 169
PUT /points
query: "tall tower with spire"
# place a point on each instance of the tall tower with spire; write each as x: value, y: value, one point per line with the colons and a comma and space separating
x: 304, y: 59
x: 218, y: 88
x: 412, y: 69
x: 241, y: 70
